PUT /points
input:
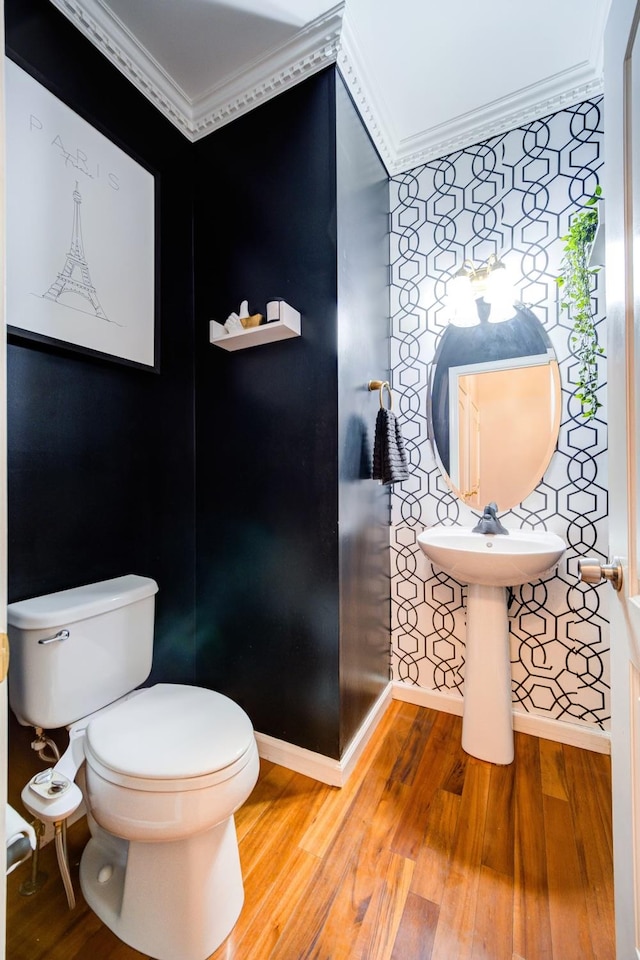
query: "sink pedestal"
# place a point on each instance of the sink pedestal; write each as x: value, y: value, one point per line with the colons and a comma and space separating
x: 488, y: 563
x: 487, y: 725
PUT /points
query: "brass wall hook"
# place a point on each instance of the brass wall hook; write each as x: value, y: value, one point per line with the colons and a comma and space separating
x: 381, y: 385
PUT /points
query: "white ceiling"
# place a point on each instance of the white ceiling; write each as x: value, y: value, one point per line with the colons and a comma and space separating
x: 428, y: 77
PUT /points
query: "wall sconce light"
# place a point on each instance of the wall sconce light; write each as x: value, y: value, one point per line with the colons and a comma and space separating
x: 473, y: 289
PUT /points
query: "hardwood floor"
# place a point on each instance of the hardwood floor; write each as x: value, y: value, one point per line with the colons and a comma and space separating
x: 425, y: 854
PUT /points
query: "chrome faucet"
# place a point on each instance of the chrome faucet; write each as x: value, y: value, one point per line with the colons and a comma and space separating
x: 489, y: 522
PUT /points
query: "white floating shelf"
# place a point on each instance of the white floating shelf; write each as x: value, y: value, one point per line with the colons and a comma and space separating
x: 283, y: 329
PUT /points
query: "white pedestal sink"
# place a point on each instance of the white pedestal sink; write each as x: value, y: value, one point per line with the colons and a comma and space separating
x: 488, y: 564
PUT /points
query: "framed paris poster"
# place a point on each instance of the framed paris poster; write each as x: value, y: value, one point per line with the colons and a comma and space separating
x: 81, y: 245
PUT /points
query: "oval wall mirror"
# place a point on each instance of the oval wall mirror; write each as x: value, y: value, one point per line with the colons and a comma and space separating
x: 494, y: 408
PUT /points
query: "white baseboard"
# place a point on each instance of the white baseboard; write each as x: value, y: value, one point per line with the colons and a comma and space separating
x: 573, y: 734
x: 367, y: 728
x: 316, y: 765
x: 445, y: 702
x: 289, y: 755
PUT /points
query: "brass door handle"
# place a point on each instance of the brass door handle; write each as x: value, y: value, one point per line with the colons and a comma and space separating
x: 591, y: 570
x: 4, y: 656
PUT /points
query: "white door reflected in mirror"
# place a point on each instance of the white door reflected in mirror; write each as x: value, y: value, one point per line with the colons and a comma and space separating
x: 494, y: 409
x: 492, y: 456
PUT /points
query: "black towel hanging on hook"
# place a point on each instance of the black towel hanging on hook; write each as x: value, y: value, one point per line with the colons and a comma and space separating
x: 389, y: 455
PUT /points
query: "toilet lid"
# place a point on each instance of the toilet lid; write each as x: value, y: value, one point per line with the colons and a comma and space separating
x: 170, y: 732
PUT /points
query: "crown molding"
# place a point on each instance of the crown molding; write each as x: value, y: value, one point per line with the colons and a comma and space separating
x: 507, y: 113
x: 561, y: 90
x: 310, y: 50
x: 106, y: 32
x: 364, y: 94
x: 328, y: 39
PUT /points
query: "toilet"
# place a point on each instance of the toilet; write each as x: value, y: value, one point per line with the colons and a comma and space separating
x: 165, y: 767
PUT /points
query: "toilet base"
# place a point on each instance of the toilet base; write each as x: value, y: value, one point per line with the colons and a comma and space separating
x: 171, y: 901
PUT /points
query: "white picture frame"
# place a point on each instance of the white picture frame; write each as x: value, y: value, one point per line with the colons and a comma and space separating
x: 81, y: 236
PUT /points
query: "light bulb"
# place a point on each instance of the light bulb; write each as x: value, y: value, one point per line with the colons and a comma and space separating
x: 460, y: 302
x: 500, y: 293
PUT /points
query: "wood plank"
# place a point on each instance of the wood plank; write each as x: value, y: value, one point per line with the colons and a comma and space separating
x: 267, y: 910
x: 590, y: 790
x: 417, y: 930
x: 323, y: 829
x: 375, y: 885
x: 493, y: 924
x: 104, y: 945
x: 454, y: 934
x: 588, y: 778
x: 499, y: 828
x: 316, y: 915
x: 553, y: 776
x: 441, y: 756
x: 272, y: 783
x: 412, y: 746
x: 570, y: 933
x: 408, y: 721
x: 379, y: 929
x: 369, y: 902
x: 434, y: 858
x: 364, y: 864
x: 282, y: 824
x: 531, y: 922
x: 454, y: 781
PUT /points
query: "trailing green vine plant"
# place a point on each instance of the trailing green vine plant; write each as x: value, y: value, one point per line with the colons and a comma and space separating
x: 575, y: 292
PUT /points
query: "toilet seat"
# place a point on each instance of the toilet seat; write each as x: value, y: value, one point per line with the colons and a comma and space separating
x: 170, y: 738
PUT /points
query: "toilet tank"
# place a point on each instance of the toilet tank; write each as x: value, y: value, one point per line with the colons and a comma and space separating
x: 108, y: 651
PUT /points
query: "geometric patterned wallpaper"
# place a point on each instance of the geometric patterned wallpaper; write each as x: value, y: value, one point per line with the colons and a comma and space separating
x: 512, y: 195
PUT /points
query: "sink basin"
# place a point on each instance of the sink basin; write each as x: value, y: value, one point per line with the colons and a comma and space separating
x: 488, y: 564
x: 500, y: 560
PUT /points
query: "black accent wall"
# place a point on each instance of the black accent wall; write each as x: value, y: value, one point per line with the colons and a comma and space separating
x: 291, y: 202
x: 267, y: 537
x: 363, y: 354
x: 101, y: 456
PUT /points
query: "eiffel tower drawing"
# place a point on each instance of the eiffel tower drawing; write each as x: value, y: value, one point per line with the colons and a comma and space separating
x: 74, y: 276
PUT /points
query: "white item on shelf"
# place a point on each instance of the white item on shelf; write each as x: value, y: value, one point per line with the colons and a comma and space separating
x: 233, y: 324
x: 276, y: 310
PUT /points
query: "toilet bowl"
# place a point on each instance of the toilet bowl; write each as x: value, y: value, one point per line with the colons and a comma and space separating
x: 165, y: 767
x: 165, y: 770
x: 171, y: 761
